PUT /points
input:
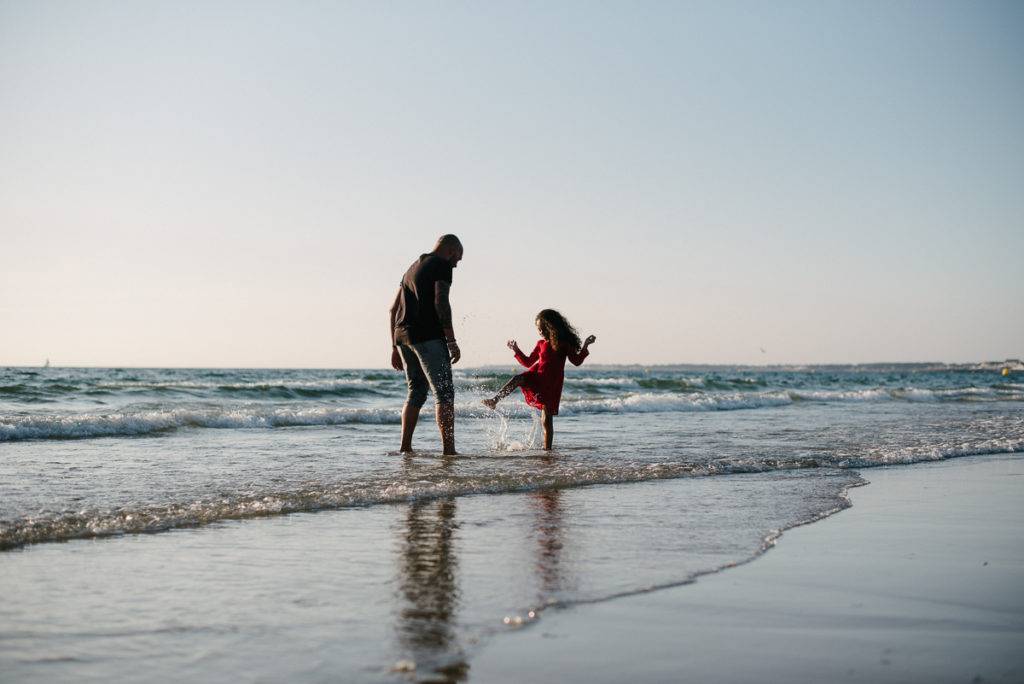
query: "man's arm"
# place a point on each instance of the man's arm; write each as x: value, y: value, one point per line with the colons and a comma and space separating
x: 396, y: 358
x: 444, y: 315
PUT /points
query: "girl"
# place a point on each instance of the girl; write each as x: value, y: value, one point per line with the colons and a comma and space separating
x: 542, y: 382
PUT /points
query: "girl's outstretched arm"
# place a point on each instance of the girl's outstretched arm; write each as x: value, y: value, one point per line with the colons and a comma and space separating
x: 522, y: 358
x: 584, y: 352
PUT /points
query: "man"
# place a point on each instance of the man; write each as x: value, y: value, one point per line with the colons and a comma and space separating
x: 423, y: 339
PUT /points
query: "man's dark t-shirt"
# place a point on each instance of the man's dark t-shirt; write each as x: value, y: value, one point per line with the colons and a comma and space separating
x: 416, y: 319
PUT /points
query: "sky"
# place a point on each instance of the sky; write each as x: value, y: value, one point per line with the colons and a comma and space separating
x: 243, y: 184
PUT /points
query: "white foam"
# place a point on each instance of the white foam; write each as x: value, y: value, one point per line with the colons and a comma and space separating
x: 651, y: 402
x: 841, y: 396
x: 590, y: 380
x: 935, y: 452
x: 129, y: 423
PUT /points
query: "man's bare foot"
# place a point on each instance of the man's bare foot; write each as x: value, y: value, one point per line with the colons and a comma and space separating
x: 490, y: 403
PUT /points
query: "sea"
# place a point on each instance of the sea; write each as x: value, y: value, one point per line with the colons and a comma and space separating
x: 260, y: 525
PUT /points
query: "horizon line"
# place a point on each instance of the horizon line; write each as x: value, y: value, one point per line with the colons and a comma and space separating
x: 79, y: 365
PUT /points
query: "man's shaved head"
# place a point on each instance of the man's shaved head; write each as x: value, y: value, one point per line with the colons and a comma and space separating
x: 449, y: 247
x: 448, y: 241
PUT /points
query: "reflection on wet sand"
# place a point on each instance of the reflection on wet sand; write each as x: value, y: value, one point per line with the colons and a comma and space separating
x: 428, y: 581
x: 547, y: 505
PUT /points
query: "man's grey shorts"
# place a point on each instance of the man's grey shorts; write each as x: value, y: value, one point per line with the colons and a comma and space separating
x: 427, y: 364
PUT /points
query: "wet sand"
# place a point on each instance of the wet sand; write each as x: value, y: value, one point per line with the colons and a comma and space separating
x: 922, y: 580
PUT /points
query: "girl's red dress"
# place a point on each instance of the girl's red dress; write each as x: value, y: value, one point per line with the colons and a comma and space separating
x: 542, y: 382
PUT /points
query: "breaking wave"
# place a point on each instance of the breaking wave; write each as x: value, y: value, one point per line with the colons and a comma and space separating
x: 133, y: 422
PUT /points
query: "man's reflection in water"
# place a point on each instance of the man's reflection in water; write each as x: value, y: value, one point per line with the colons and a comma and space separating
x: 428, y: 569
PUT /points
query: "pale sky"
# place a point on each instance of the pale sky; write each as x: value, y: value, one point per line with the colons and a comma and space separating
x: 244, y: 183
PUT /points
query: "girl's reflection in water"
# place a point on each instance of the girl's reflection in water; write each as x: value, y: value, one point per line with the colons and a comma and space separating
x: 548, y: 524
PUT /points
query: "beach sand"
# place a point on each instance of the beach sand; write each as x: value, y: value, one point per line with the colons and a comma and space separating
x: 922, y: 580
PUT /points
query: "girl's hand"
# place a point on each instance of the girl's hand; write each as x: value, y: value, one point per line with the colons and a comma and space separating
x: 590, y: 340
x: 513, y: 345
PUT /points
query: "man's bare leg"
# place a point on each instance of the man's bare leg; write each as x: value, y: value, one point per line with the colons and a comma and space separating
x: 549, y: 428
x: 410, y: 414
x: 509, y: 387
x: 446, y: 425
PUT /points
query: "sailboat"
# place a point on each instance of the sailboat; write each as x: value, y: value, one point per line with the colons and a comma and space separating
x: 47, y: 364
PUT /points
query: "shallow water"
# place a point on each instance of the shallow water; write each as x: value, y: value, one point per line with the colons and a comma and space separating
x: 89, y: 452
x: 349, y: 595
x: 658, y: 475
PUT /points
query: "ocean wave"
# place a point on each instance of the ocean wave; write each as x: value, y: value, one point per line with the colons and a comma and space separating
x: 135, y: 423
x: 293, y: 391
x: 131, y: 423
x: 268, y: 382
x: 650, y: 402
x: 670, y: 384
x: 271, y: 388
x: 275, y: 388
x: 613, y: 383
x: 641, y: 402
x: 667, y: 384
x: 841, y: 395
x: 911, y: 394
x: 31, y: 391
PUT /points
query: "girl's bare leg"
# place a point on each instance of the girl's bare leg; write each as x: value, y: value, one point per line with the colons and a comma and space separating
x: 507, y: 389
x: 549, y: 428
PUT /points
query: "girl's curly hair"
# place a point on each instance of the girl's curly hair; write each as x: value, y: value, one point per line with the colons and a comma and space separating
x: 558, y: 331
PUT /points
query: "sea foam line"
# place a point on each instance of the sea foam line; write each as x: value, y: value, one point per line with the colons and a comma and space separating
x: 90, y: 523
